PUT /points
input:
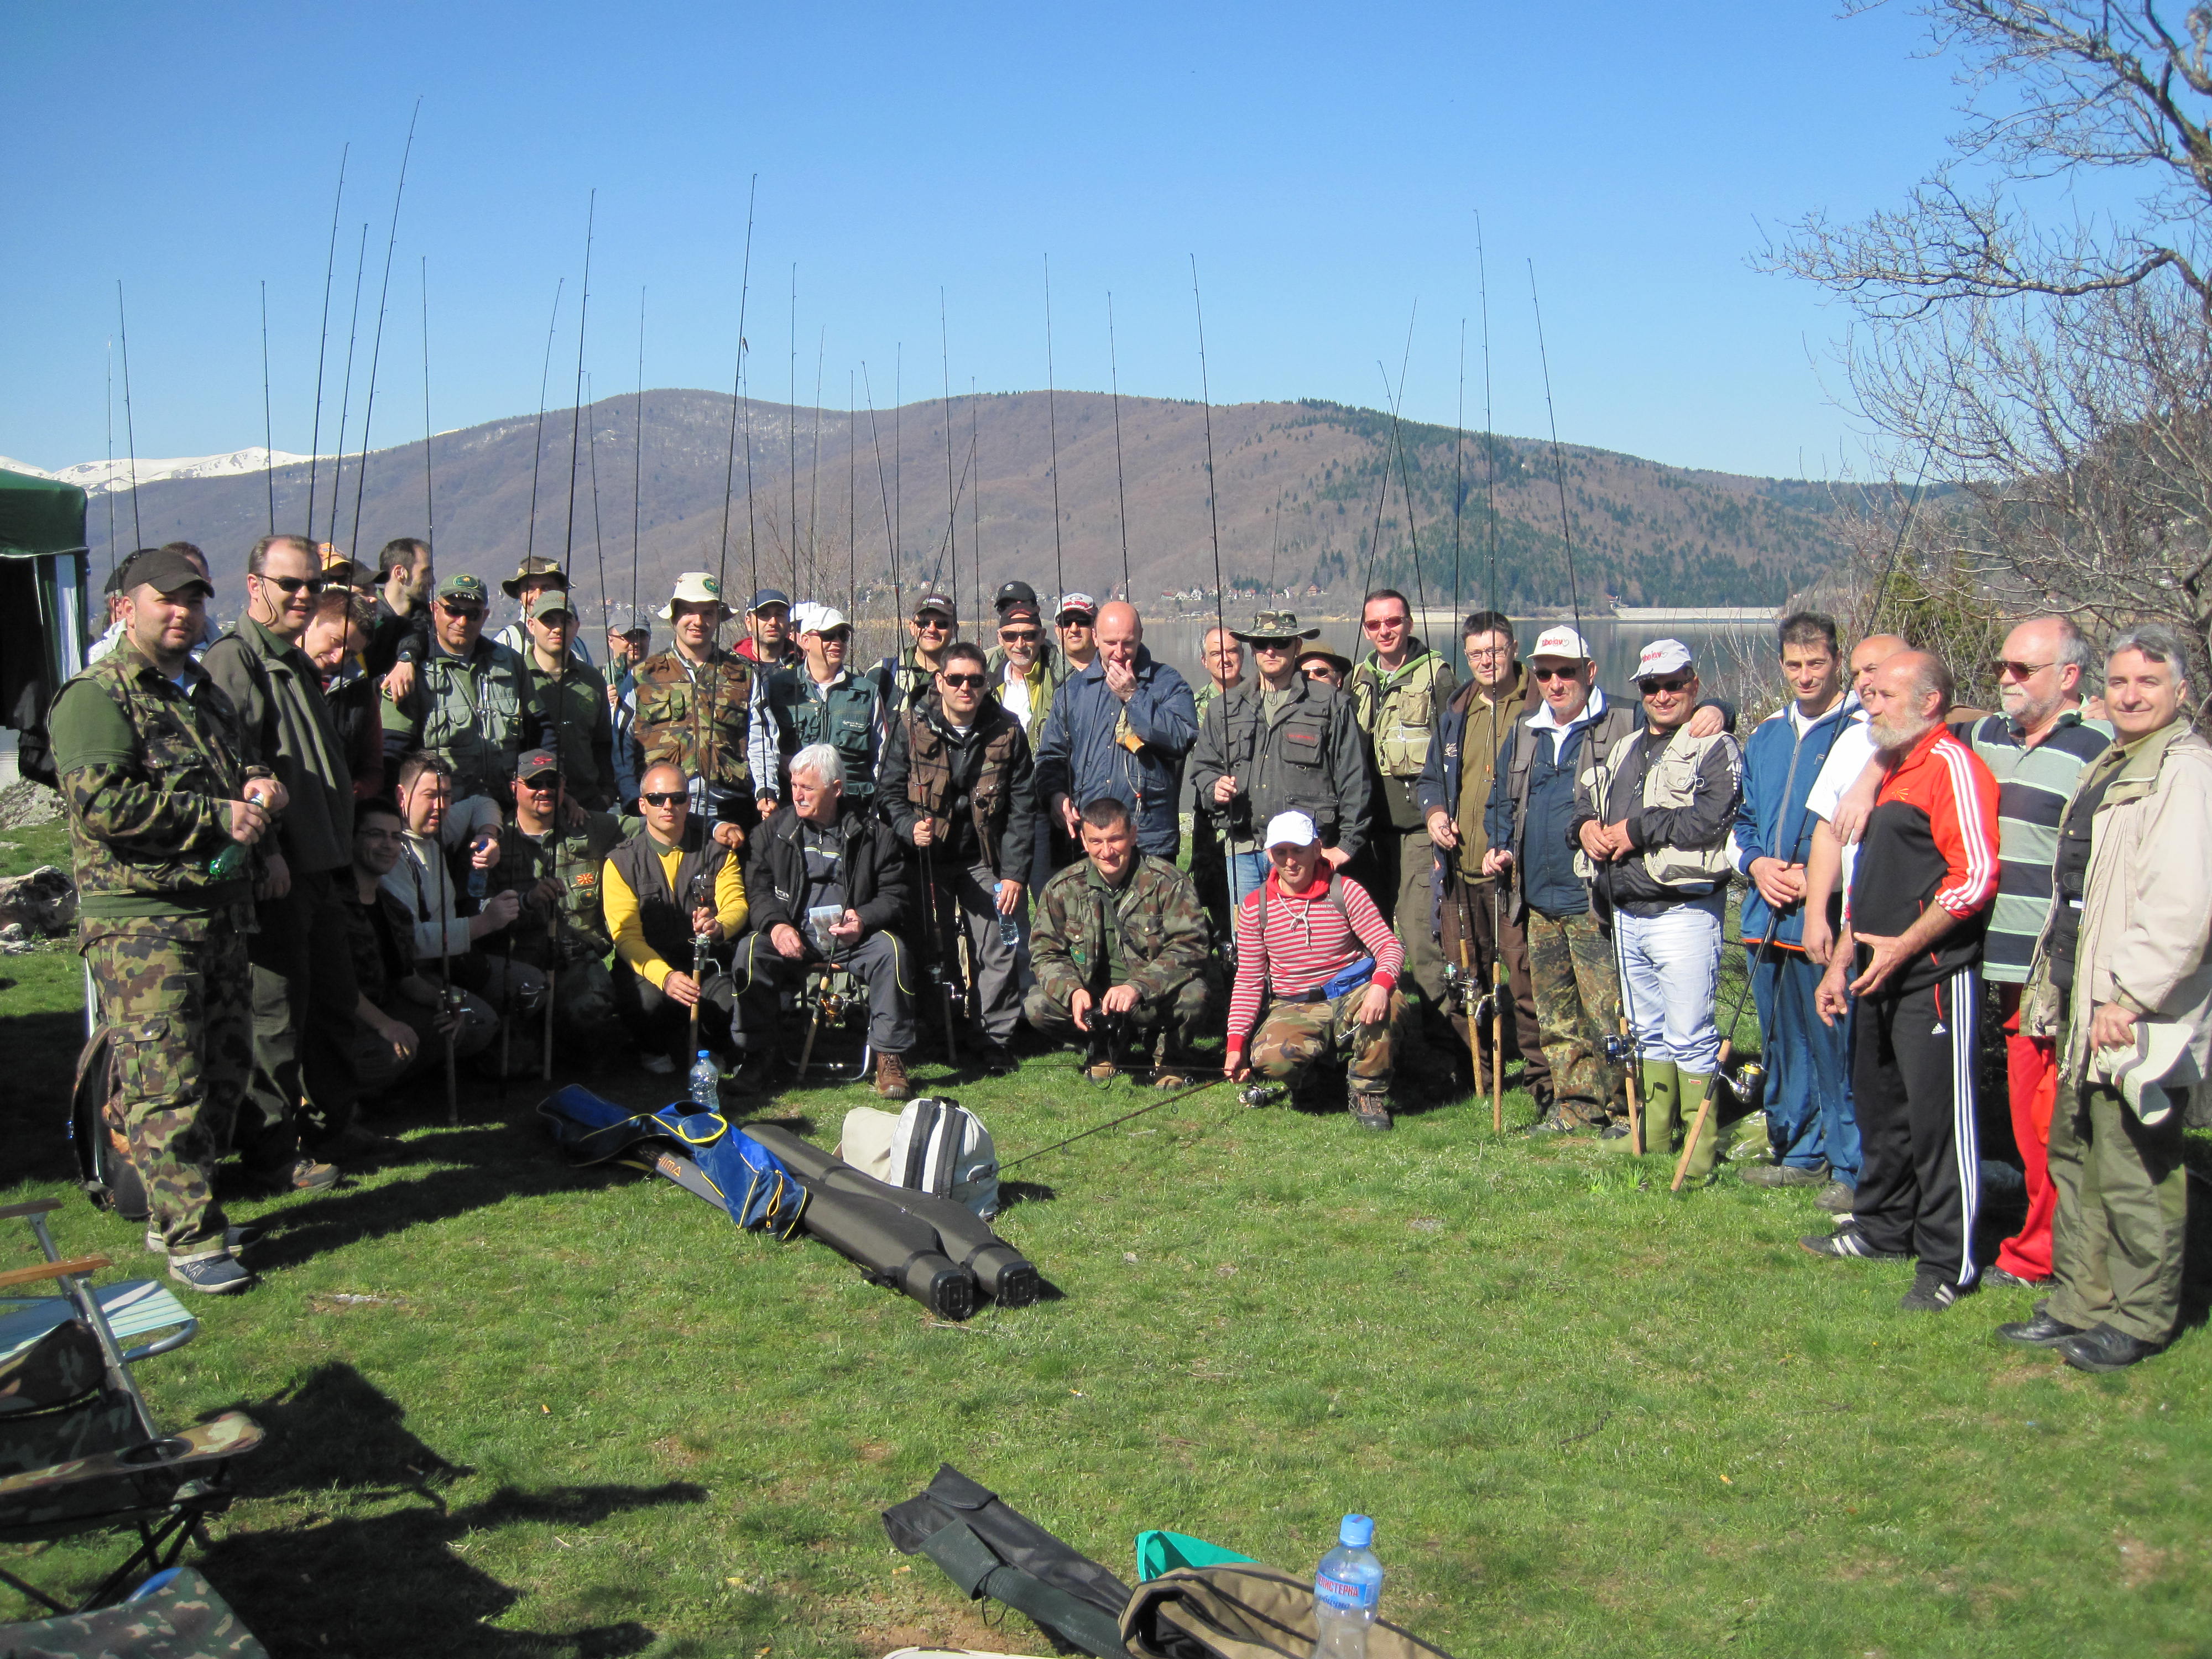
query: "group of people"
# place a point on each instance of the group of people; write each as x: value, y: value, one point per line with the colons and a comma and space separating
x: 354, y: 837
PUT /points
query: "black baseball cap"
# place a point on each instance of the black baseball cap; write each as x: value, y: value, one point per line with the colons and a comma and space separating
x: 163, y: 569
x: 938, y: 602
x: 1015, y: 592
x: 538, y: 760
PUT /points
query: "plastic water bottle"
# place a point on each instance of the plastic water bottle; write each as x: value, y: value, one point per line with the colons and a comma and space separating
x: 1010, y: 930
x: 1348, y: 1589
x: 707, y: 1084
x: 479, y: 882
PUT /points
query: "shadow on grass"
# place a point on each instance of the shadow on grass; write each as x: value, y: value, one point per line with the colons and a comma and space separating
x: 40, y: 1059
x: 396, y: 1582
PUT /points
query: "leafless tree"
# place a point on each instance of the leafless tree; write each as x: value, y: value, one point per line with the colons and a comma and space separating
x: 2060, y: 379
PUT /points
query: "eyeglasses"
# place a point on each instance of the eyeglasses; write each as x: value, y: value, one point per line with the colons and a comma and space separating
x: 1376, y: 625
x: 1652, y: 688
x: 964, y: 682
x: 1535, y: 674
x: 293, y: 584
x: 1020, y: 636
x: 459, y: 611
x: 2001, y: 666
x: 669, y: 799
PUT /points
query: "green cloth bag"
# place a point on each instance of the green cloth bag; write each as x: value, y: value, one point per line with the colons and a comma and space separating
x: 1163, y: 1551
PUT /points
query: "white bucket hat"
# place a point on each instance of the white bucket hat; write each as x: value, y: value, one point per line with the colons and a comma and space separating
x: 695, y: 587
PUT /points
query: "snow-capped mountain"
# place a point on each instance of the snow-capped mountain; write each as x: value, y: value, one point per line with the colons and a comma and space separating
x: 97, y: 477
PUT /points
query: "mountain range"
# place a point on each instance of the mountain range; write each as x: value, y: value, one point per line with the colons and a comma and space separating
x: 815, y: 500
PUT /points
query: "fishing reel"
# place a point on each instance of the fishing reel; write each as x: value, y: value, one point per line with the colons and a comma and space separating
x: 1109, y: 1034
x: 1256, y: 1094
x: 1467, y: 992
x: 1617, y: 1050
x: 1744, y: 1082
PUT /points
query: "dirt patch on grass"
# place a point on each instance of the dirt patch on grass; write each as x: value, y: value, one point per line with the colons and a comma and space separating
x: 2139, y: 1563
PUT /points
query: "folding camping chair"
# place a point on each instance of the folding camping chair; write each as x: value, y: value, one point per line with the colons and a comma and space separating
x: 79, y: 1451
x: 834, y: 1006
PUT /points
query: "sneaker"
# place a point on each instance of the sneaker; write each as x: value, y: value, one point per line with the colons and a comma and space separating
x: 304, y: 1175
x: 234, y: 1238
x: 2005, y: 1281
x: 1613, y: 1132
x: 1929, y: 1293
x: 1837, y: 1198
x: 1551, y: 1123
x: 1783, y: 1175
x: 211, y: 1272
x: 892, y: 1079
x: 657, y: 1065
x: 1848, y: 1244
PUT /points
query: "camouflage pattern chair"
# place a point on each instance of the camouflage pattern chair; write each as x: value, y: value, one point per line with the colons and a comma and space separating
x: 79, y: 1451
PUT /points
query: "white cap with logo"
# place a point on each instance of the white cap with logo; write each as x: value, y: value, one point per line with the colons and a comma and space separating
x: 1561, y: 641
x: 811, y: 618
x: 1292, y: 829
x: 1663, y: 657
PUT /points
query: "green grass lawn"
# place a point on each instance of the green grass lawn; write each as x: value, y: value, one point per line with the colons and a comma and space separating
x: 516, y: 1409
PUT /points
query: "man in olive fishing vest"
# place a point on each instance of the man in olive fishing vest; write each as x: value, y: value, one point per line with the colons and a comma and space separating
x: 467, y: 704
x: 816, y: 700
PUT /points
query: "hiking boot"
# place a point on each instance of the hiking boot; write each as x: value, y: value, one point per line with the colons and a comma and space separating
x: 1371, y: 1107
x: 750, y: 1075
x: 2040, y: 1332
x: 1837, y: 1198
x: 302, y: 1175
x: 1930, y: 1293
x: 1783, y: 1175
x: 890, y: 1077
x: 211, y: 1272
x: 2005, y: 1281
x: 1848, y: 1244
x: 1553, y: 1123
x: 1172, y: 1077
x: 234, y: 1238
x: 2101, y: 1348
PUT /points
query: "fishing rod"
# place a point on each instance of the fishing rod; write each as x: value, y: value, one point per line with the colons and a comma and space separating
x: 1630, y: 1042
x: 1461, y: 897
x: 975, y: 502
x: 791, y: 430
x: 951, y: 499
x: 637, y: 462
x: 890, y: 533
x: 1221, y: 621
x: 852, y: 495
x: 814, y: 475
x: 345, y: 398
x: 108, y: 478
x: 1406, y: 483
x: 268, y: 421
x: 898, y: 468
x: 599, y: 535
x: 940, y: 567
x: 376, y: 351
x: 538, y: 446
x: 322, y: 340
x: 1165, y: 1100
x: 429, y: 495
x: 736, y: 400
x: 1120, y: 488
x: 1500, y: 979
x: 576, y: 413
x: 1052, y: 426
x: 129, y: 426
x: 1390, y: 452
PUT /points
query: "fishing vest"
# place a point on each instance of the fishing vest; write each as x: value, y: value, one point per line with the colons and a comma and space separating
x: 843, y: 716
x: 574, y: 858
x: 930, y: 784
x: 1286, y: 764
x: 696, y: 725
x: 664, y: 911
x: 1670, y: 780
x: 1397, y: 710
x: 472, y: 712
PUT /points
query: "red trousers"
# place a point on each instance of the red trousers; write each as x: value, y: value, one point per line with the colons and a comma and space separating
x: 2032, y: 1078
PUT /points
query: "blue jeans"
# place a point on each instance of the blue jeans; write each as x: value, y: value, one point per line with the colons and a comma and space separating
x: 1671, y: 970
x: 1246, y: 870
x: 1809, y: 1074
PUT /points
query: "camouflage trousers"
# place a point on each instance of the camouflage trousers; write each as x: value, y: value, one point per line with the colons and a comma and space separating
x: 177, y: 996
x: 1571, y: 969
x: 1291, y: 1037
x: 1168, y: 1028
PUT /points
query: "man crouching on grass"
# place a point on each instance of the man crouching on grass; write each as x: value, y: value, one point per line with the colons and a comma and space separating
x: 1314, y: 951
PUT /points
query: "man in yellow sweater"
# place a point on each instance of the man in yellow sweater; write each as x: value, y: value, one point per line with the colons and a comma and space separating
x: 667, y: 887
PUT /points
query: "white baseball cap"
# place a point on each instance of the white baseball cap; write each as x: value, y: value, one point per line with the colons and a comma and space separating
x: 1561, y: 641
x: 1663, y: 657
x: 821, y: 618
x: 1292, y: 829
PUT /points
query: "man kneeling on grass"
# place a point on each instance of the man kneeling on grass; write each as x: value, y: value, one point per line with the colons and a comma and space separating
x: 1299, y: 956
x: 1122, y: 935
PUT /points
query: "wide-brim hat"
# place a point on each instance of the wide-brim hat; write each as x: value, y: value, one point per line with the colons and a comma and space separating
x: 537, y: 565
x: 695, y: 587
x: 1274, y: 625
x: 1341, y: 663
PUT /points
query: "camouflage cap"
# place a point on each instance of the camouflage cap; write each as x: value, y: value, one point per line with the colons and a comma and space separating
x: 464, y: 586
x: 1274, y: 625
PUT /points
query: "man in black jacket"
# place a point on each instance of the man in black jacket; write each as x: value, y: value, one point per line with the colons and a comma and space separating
x: 956, y: 787
x: 827, y: 881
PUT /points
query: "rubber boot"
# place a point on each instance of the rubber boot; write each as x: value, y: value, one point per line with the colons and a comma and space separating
x: 1712, y: 1140
x: 1655, y: 1098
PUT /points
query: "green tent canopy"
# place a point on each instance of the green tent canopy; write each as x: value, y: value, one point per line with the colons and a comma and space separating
x: 42, y: 594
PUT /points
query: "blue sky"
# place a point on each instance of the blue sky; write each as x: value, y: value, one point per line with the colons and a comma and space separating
x: 1324, y: 164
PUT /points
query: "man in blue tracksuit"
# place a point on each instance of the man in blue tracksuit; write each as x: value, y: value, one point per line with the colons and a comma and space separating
x: 1120, y: 727
x: 1809, y: 1122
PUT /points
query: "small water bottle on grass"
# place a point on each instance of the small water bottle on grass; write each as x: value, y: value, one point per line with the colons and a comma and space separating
x: 1348, y: 1589
x: 706, y: 1083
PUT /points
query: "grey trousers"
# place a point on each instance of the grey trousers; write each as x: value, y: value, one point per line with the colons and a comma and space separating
x: 880, y: 962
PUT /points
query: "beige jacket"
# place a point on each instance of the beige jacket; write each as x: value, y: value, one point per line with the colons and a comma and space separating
x: 2147, y: 904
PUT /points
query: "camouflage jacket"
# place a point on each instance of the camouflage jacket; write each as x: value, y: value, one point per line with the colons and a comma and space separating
x: 472, y: 712
x: 696, y: 721
x: 147, y: 769
x: 1164, y: 939
x: 574, y: 857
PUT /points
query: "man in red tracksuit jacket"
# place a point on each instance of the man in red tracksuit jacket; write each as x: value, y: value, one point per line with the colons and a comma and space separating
x: 1913, y: 924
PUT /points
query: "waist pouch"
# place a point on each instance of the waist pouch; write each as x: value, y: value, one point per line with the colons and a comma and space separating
x: 1349, y: 979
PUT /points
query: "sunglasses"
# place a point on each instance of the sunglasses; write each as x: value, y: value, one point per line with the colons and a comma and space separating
x: 1020, y: 636
x: 1381, y: 622
x: 542, y: 781
x: 933, y: 622
x: 2001, y: 666
x: 1075, y: 624
x: 1652, y: 688
x: 838, y: 636
x: 293, y: 584
x: 965, y: 682
x: 1552, y: 673
x: 453, y: 609
x: 669, y: 799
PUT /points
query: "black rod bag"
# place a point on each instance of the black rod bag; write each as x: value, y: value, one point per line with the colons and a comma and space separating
x: 1005, y: 1274
x: 890, y: 1246
x: 989, y: 1548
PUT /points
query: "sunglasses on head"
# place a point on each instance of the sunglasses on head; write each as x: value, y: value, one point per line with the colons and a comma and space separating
x: 1652, y: 687
x: 293, y: 584
x: 2001, y: 666
x: 965, y: 682
x: 1535, y: 674
x: 668, y: 799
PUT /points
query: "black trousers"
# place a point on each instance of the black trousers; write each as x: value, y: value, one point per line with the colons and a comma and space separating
x: 1913, y: 1080
x: 304, y: 996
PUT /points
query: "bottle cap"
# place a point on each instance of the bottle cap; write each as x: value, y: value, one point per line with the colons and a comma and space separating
x: 1358, y: 1532
x: 702, y: 1054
